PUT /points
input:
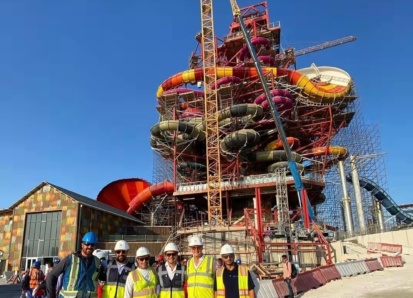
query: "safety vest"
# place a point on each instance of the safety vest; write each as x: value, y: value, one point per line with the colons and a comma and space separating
x: 201, y: 279
x: 242, y: 282
x: 142, y: 287
x: 115, y: 283
x: 172, y: 288
x: 36, y: 277
x: 79, y: 278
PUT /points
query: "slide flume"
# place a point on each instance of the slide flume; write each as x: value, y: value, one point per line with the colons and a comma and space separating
x: 385, y: 199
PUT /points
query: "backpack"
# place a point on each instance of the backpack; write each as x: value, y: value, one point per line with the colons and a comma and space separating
x: 293, y: 270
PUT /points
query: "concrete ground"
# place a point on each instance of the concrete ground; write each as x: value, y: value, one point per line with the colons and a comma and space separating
x: 389, y: 283
x: 9, y: 290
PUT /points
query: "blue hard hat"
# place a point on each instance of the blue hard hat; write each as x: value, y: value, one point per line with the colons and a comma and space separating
x: 238, y: 261
x: 56, y: 260
x: 90, y: 237
x: 36, y: 264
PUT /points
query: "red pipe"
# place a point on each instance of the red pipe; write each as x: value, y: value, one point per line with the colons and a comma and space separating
x: 146, y: 195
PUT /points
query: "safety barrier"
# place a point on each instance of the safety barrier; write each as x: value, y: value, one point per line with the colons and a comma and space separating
x: 352, y: 268
x: 330, y: 273
x: 267, y: 289
x: 389, y: 261
x: 280, y: 287
x: 386, y: 247
x: 373, y: 264
x: 308, y: 280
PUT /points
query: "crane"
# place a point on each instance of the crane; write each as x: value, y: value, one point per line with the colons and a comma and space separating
x: 214, y: 193
x: 289, y: 55
x: 299, y: 185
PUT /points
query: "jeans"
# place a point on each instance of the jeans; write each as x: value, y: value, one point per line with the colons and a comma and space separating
x: 290, y: 288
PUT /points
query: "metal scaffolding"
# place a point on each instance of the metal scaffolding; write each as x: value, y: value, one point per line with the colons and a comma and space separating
x: 363, y: 142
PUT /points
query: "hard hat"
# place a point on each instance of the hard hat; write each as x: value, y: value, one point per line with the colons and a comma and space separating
x: 90, y: 237
x: 101, y: 254
x: 56, y: 260
x: 171, y: 247
x: 238, y: 261
x: 36, y: 264
x: 227, y: 249
x: 142, y: 251
x: 195, y: 241
x: 121, y: 245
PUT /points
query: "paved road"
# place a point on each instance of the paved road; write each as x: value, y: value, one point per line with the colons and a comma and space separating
x: 10, y: 291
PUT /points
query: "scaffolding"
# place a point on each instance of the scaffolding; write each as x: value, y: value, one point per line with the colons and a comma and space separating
x: 363, y: 142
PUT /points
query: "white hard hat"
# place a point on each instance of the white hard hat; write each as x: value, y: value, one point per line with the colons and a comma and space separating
x: 101, y: 254
x: 121, y: 245
x: 227, y: 249
x: 171, y: 247
x: 195, y: 241
x: 142, y: 251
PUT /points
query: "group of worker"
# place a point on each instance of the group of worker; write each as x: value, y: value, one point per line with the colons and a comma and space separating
x: 81, y: 275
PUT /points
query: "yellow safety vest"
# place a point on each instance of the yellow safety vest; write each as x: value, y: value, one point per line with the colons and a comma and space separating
x: 143, y: 288
x: 201, y: 280
x: 242, y: 282
x: 115, y: 283
x: 78, y: 273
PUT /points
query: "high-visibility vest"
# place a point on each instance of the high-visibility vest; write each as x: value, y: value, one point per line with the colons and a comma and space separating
x: 142, y: 287
x: 79, y: 278
x: 36, y: 277
x: 242, y: 282
x: 115, y: 283
x: 172, y: 288
x: 201, y: 279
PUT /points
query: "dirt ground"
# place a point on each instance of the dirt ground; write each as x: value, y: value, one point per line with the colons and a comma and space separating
x: 391, y: 282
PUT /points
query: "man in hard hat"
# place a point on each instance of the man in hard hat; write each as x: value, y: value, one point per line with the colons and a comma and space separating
x: 171, y: 274
x: 143, y: 281
x: 117, y: 272
x: 36, y: 276
x: 233, y: 280
x: 200, y: 271
x: 80, y: 272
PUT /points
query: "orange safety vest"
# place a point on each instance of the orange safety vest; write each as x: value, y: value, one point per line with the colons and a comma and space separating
x: 242, y: 282
x: 36, y: 277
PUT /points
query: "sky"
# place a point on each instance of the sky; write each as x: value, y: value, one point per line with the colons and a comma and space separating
x: 78, y: 81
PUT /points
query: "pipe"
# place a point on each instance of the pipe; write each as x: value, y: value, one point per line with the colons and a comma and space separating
x: 348, y: 215
x: 357, y: 192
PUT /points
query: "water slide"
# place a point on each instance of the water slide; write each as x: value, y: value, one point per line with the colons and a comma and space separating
x: 385, y: 199
x: 336, y: 86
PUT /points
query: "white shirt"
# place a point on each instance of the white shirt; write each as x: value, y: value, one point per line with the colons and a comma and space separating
x: 120, y: 267
x: 171, y: 272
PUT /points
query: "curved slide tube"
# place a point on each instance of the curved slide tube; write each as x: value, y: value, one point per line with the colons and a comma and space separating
x: 385, y: 199
x: 277, y: 144
x: 239, y: 139
x: 327, y: 93
x: 262, y: 41
x: 284, y: 164
x: 176, y: 125
x: 338, y: 151
x: 276, y: 155
x: 224, y: 81
x: 146, y: 195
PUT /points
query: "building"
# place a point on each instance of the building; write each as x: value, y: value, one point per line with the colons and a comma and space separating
x: 50, y: 221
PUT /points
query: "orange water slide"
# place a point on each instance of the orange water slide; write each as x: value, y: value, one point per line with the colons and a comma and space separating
x: 327, y: 93
x: 120, y: 193
x: 277, y: 144
x: 148, y: 193
x: 338, y: 151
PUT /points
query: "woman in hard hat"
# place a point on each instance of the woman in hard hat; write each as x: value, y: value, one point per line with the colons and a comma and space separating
x: 81, y: 270
x: 233, y: 280
x: 117, y: 272
x: 143, y: 281
x: 171, y: 274
x: 200, y: 271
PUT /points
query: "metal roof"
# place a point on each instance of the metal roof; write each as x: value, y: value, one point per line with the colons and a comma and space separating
x: 82, y: 200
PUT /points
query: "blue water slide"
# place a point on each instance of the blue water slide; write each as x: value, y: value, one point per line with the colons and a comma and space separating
x: 385, y: 199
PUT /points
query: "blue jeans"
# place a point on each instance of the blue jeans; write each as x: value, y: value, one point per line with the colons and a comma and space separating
x: 290, y: 288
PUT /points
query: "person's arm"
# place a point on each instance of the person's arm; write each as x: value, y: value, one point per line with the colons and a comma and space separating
x: 53, y: 276
x: 128, y: 286
x: 251, y: 286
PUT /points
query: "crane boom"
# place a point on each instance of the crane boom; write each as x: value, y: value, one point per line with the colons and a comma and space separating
x: 214, y: 193
x: 302, y: 194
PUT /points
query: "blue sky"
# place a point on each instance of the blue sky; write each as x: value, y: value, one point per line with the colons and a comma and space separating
x: 78, y: 81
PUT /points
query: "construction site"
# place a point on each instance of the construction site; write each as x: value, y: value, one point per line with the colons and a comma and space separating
x: 251, y: 151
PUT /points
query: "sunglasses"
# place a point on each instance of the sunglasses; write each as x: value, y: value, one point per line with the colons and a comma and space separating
x: 89, y: 244
x: 143, y: 259
x: 118, y: 252
x: 172, y: 254
x: 228, y: 256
